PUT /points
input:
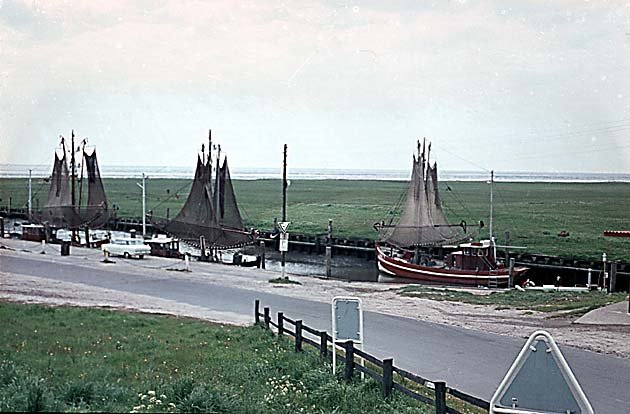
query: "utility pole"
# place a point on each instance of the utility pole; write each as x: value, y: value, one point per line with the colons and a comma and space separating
x: 284, y: 202
x: 491, y: 201
x: 144, y: 204
x: 30, y: 193
x: 329, y: 249
x: 75, y: 209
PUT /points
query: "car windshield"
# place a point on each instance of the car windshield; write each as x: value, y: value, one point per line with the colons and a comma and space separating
x: 128, y: 241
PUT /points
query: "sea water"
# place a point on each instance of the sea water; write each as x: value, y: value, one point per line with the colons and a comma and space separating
x: 39, y: 171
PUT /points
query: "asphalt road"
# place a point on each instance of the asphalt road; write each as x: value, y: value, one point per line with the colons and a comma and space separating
x: 471, y: 361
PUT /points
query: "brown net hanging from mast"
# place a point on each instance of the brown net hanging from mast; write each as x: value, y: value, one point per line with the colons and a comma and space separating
x: 423, y: 222
x: 197, y: 217
x: 96, y: 213
x: 230, y: 215
x: 58, y: 210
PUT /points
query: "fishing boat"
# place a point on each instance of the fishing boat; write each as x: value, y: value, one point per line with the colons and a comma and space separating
x: 210, y: 218
x: 67, y: 205
x: 423, y: 245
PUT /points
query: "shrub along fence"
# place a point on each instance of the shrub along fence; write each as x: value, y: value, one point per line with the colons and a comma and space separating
x: 435, y: 393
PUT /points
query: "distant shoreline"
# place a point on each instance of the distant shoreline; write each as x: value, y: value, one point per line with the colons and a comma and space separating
x: 113, y: 172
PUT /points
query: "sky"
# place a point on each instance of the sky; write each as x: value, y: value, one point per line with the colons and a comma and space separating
x: 509, y: 86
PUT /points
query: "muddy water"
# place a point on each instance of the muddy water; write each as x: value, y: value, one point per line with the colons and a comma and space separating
x: 343, y: 267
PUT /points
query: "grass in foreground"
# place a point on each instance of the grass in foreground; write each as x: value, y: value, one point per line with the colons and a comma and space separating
x: 574, y: 303
x: 69, y: 359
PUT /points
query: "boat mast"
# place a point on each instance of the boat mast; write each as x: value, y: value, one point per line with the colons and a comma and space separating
x: 81, y: 177
x: 217, y: 188
x: 75, y: 235
x: 72, y: 173
x: 209, y: 161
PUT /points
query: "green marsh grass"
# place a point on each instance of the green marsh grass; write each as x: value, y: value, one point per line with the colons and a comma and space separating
x: 533, y: 213
x: 569, y: 303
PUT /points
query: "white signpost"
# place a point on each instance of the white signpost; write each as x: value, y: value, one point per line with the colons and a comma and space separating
x: 347, y: 324
x: 284, y: 225
x: 284, y: 242
x: 284, y: 236
x: 540, y: 382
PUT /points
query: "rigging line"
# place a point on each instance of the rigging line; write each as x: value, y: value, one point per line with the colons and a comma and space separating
x: 505, y: 204
x: 455, y: 195
x: 463, y: 159
x: 390, y: 215
x: 171, y: 195
x: 570, y: 153
x: 564, y: 136
x: 553, y: 132
x: 618, y: 124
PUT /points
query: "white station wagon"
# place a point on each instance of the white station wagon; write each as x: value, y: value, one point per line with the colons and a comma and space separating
x: 127, y: 247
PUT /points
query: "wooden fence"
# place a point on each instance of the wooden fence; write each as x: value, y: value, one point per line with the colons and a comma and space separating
x: 390, y: 376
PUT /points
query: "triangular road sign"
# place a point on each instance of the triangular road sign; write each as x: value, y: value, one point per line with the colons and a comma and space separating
x: 284, y: 225
x: 540, y: 382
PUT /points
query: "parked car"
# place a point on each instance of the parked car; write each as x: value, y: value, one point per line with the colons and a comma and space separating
x: 127, y: 247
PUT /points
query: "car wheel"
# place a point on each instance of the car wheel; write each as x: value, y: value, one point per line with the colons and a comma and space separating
x: 140, y: 256
x: 126, y: 255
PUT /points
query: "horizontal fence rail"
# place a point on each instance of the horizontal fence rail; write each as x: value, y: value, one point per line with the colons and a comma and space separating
x: 383, y: 371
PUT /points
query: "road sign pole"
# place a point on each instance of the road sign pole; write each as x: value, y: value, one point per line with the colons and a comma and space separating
x: 347, y: 324
x: 284, y: 205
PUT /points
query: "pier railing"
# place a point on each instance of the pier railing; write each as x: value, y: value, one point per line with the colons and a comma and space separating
x: 445, y: 399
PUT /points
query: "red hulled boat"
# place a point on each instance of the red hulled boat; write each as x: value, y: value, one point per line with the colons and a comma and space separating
x: 423, y: 245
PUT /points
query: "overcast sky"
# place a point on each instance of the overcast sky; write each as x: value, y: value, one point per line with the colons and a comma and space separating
x: 510, y: 86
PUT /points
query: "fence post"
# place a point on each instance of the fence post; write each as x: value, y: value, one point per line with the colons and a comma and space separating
x: 266, y: 317
x: 328, y: 261
x: 388, y: 377
x: 323, y: 344
x: 298, y: 336
x: 613, y: 277
x: 440, y: 397
x: 257, y: 312
x: 349, y: 347
x: 1, y: 227
x: 262, y: 254
x: 280, y: 323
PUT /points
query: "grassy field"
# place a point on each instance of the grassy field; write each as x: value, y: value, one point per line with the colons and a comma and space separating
x: 78, y: 360
x: 534, y: 213
x: 570, y: 303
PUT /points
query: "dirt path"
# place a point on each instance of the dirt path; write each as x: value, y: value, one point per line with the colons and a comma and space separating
x: 376, y: 297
